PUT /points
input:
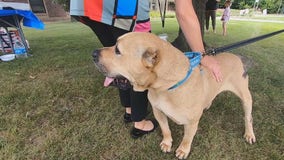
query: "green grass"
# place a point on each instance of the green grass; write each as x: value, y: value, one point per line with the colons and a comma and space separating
x: 53, y: 104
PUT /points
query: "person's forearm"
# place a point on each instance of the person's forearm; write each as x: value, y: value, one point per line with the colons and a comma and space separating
x: 189, y: 24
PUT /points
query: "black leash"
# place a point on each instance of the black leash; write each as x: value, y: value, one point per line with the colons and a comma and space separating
x: 228, y: 47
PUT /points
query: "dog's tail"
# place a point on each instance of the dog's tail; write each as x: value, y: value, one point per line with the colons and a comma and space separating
x: 247, y: 64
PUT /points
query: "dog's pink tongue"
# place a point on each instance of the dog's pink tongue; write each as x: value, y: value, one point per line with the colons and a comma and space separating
x: 108, y: 81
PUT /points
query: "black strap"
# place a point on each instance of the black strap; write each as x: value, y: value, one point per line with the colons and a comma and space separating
x: 163, y: 15
x: 228, y: 47
x: 134, y: 17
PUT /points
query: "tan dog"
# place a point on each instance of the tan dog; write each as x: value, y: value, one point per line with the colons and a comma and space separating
x: 154, y: 64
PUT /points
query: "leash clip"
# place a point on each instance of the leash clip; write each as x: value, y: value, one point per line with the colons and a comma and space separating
x: 211, y: 52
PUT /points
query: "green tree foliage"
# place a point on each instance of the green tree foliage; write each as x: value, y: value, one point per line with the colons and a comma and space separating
x: 272, y: 6
x: 241, y: 4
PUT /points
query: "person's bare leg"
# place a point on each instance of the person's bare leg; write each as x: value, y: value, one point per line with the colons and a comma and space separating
x: 128, y: 110
x: 224, y: 29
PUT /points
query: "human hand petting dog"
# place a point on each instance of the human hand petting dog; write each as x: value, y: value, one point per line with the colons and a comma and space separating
x: 190, y: 26
x: 213, y: 65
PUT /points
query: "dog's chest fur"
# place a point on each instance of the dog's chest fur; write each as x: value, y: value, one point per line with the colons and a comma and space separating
x: 165, y: 103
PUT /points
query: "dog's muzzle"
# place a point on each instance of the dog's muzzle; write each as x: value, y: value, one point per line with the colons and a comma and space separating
x: 96, y: 55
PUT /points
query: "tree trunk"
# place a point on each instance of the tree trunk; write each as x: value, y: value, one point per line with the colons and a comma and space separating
x: 180, y: 41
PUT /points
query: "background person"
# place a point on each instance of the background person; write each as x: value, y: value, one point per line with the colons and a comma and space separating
x: 226, y: 16
x: 211, y: 7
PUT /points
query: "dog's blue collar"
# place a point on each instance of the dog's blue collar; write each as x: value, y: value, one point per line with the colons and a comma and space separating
x: 194, y: 59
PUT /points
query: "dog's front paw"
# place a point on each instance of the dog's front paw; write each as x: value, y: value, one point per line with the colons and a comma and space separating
x: 183, y: 151
x: 250, y: 138
x: 166, y: 146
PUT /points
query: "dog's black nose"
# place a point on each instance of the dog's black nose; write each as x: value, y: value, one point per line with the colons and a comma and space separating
x: 96, y: 55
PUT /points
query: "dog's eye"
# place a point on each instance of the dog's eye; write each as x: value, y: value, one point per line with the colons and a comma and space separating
x: 117, y: 50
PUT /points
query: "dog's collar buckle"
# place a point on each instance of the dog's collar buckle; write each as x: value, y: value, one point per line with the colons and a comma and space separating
x: 194, y: 60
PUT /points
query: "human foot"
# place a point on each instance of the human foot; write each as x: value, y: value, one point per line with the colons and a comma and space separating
x: 144, y: 127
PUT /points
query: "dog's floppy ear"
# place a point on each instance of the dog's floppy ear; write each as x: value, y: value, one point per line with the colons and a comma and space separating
x: 150, y: 57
